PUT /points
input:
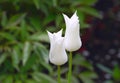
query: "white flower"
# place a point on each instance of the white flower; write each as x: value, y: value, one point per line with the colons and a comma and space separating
x: 57, y: 54
x: 72, y: 37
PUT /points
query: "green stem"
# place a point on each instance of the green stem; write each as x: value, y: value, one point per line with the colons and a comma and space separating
x: 58, y: 68
x: 70, y: 68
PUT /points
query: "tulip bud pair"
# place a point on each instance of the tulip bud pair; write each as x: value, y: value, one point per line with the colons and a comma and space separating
x: 71, y: 41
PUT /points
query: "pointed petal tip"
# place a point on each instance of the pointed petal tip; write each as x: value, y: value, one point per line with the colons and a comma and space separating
x: 75, y: 14
x: 60, y: 30
x: 75, y: 11
x: 49, y: 33
x: 59, y: 33
x: 64, y: 15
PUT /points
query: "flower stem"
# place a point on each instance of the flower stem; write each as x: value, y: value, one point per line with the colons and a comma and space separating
x: 70, y: 68
x: 58, y: 68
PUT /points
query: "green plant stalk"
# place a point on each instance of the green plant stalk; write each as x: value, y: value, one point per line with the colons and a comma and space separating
x: 59, y: 77
x: 70, y: 68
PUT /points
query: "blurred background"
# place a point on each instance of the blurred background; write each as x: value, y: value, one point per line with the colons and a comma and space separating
x: 24, y: 44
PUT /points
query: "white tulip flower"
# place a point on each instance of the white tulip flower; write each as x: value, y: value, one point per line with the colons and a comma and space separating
x: 72, y: 37
x: 57, y: 54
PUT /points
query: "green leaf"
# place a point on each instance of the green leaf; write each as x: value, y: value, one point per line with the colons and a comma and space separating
x: 43, y: 52
x: 16, y: 57
x: 8, y: 36
x: 8, y: 65
x: 116, y: 73
x: 40, y: 37
x: 24, y: 32
x: 37, y: 78
x: 48, y: 19
x: 4, y: 19
x: 47, y: 66
x: 36, y: 2
x: 30, y: 81
x: 31, y: 62
x: 8, y: 79
x: 26, y: 52
x: 91, y: 11
x: 79, y: 60
x: 74, y: 80
x: 81, y: 16
x: 105, y: 69
x: 2, y: 77
x: 88, y: 2
x: 84, y: 25
x: 59, y: 21
x: 36, y: 23
x: 43, y: 8
x: 2, y: 58
x: 109, y: 81
x: 88, y: 76
x: 83, y: 3
x: 43, y: 78
x: 18, y: 81
x: 15, y: 19
x: 54, y: 3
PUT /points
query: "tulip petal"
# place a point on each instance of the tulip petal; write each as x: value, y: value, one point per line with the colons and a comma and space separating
x: 72, y: 36
x: 59, y: 33
x: 67, y: 20
x: 50, y: 35
x: 57, y: 54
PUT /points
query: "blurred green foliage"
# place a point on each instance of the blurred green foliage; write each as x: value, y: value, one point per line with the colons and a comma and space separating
x: 24, y: 43
x: 113, y: 73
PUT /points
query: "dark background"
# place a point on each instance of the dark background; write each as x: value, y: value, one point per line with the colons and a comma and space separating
x: 102, y: 41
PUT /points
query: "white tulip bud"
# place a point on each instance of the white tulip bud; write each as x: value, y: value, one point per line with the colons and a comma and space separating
x: 57, y: 54
x: 72, y: 37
